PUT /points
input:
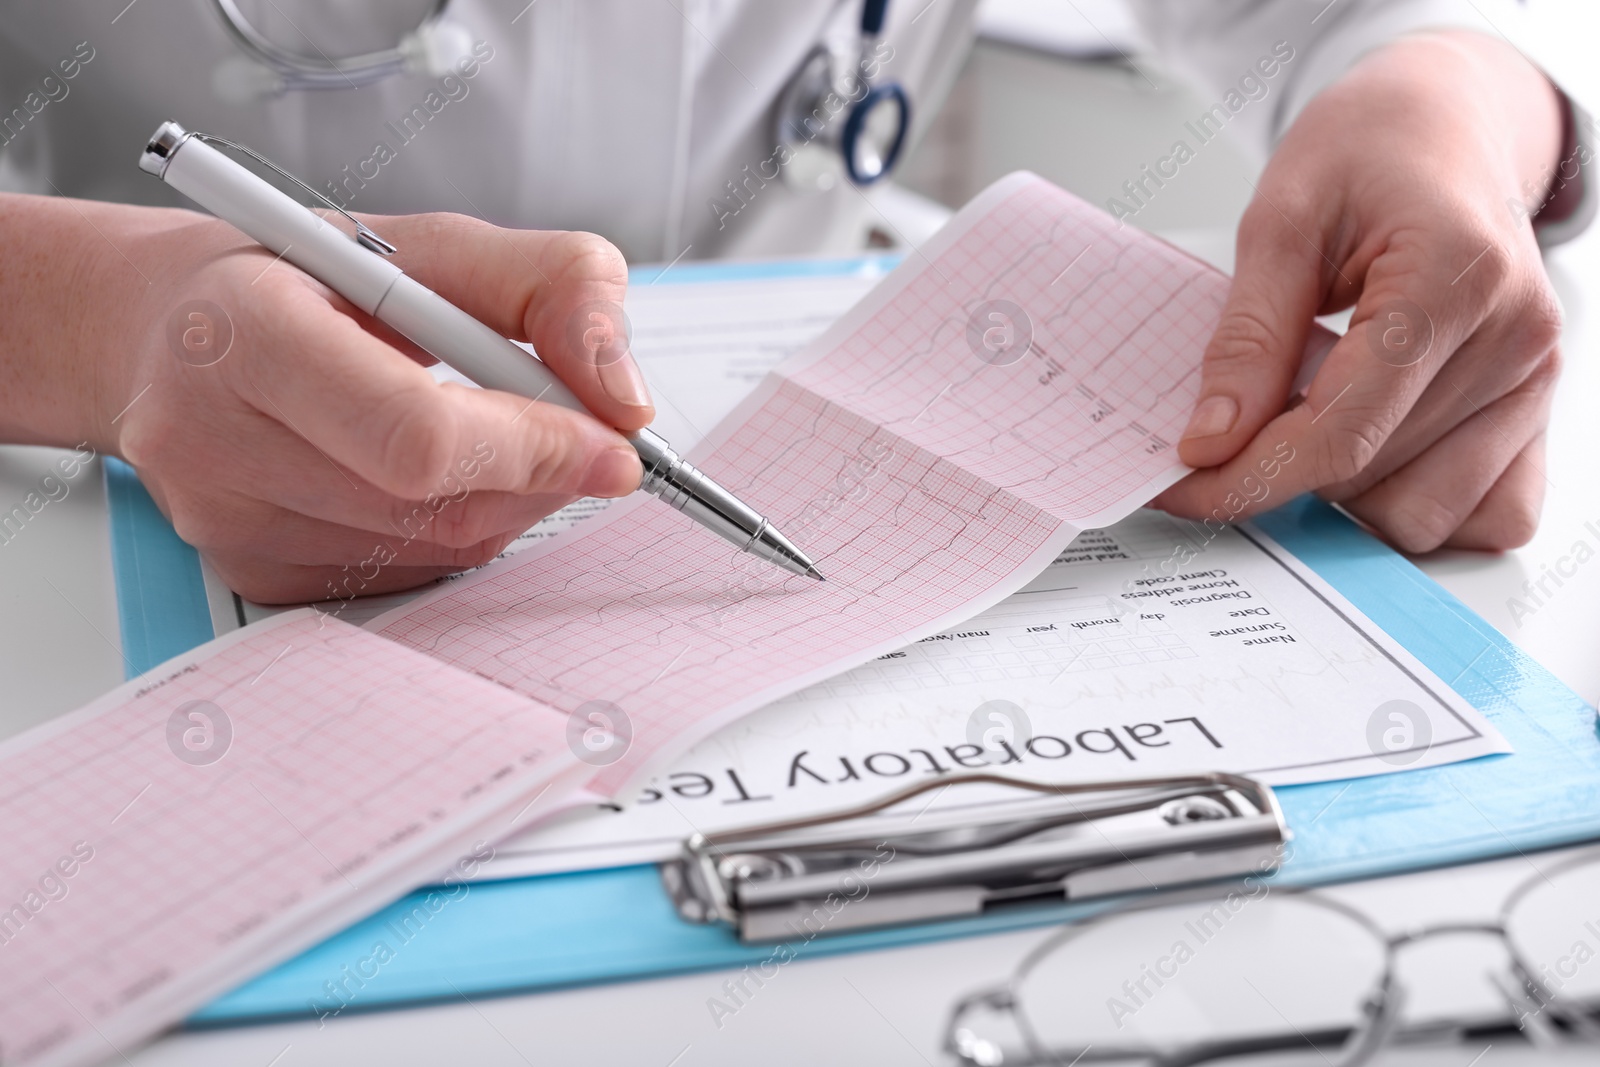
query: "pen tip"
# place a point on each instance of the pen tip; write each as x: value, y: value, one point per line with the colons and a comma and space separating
x: 812, y: 572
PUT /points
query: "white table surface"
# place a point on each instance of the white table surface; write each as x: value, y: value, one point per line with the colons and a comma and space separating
x: 58, y: 648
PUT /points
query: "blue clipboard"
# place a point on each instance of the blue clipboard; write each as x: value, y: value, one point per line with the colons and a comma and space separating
x: 551, y: 931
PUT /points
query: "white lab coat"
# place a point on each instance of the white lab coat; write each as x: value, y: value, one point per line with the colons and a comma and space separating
x: 626, y: 117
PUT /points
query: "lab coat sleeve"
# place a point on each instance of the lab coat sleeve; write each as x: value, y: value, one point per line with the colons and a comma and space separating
x: 1216, y: 42
x: 23, y: 142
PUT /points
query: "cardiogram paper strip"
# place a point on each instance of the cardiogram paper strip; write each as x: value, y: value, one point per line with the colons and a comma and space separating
x: 929, y: 475
x: 250, y: 798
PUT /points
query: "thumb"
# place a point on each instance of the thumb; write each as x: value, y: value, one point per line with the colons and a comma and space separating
x: 561, y: 291
x: 1256, y: 350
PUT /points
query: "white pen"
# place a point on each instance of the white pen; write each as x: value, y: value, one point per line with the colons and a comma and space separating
x: 357, y: 269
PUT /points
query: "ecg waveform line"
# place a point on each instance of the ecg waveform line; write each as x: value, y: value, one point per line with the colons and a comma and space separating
x: 1113, y: 349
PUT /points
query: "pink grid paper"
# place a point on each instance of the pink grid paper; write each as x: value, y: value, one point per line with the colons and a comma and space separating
x: 135, y: 885
x: 928, y: 483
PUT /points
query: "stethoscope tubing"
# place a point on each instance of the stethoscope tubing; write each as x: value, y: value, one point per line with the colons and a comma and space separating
x: 296, y: 71
x: 299, y: 71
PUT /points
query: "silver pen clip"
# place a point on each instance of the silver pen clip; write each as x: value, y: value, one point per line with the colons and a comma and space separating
x: 170, y: 135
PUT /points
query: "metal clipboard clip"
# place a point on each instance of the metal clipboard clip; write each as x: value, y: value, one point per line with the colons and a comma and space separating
x: 874, y: 866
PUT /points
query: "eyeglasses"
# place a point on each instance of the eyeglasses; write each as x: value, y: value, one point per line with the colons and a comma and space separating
x: 1263, y: 971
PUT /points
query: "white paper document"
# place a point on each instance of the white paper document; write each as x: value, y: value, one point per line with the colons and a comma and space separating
x: 1144, y: 649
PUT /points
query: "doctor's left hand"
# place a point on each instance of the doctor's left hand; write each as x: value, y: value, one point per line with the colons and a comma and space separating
x: 1404, y: 190
x: 298, y: 443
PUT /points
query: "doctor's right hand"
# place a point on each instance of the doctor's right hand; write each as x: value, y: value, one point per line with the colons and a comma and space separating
x: 298, y: 443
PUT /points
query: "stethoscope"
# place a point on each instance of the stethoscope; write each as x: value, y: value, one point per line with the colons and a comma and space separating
x: 831, y: 117
x: 834, y: 113
x: 267, y: 69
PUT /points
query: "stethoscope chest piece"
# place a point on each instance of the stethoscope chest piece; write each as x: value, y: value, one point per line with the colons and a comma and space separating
x: 803, y: 126
x: 833, y: 121
x: 875, y: 132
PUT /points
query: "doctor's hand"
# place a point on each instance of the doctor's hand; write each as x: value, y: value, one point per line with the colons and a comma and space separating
x: 301, y: 445
x: 1398, y: 190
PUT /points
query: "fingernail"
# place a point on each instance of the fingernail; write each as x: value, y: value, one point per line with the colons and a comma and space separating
x: 623, y: 383
x: 1215, y: 415
x: 614, y: 472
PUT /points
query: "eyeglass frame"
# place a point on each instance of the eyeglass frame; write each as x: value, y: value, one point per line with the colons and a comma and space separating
x: 1538, y: 1008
